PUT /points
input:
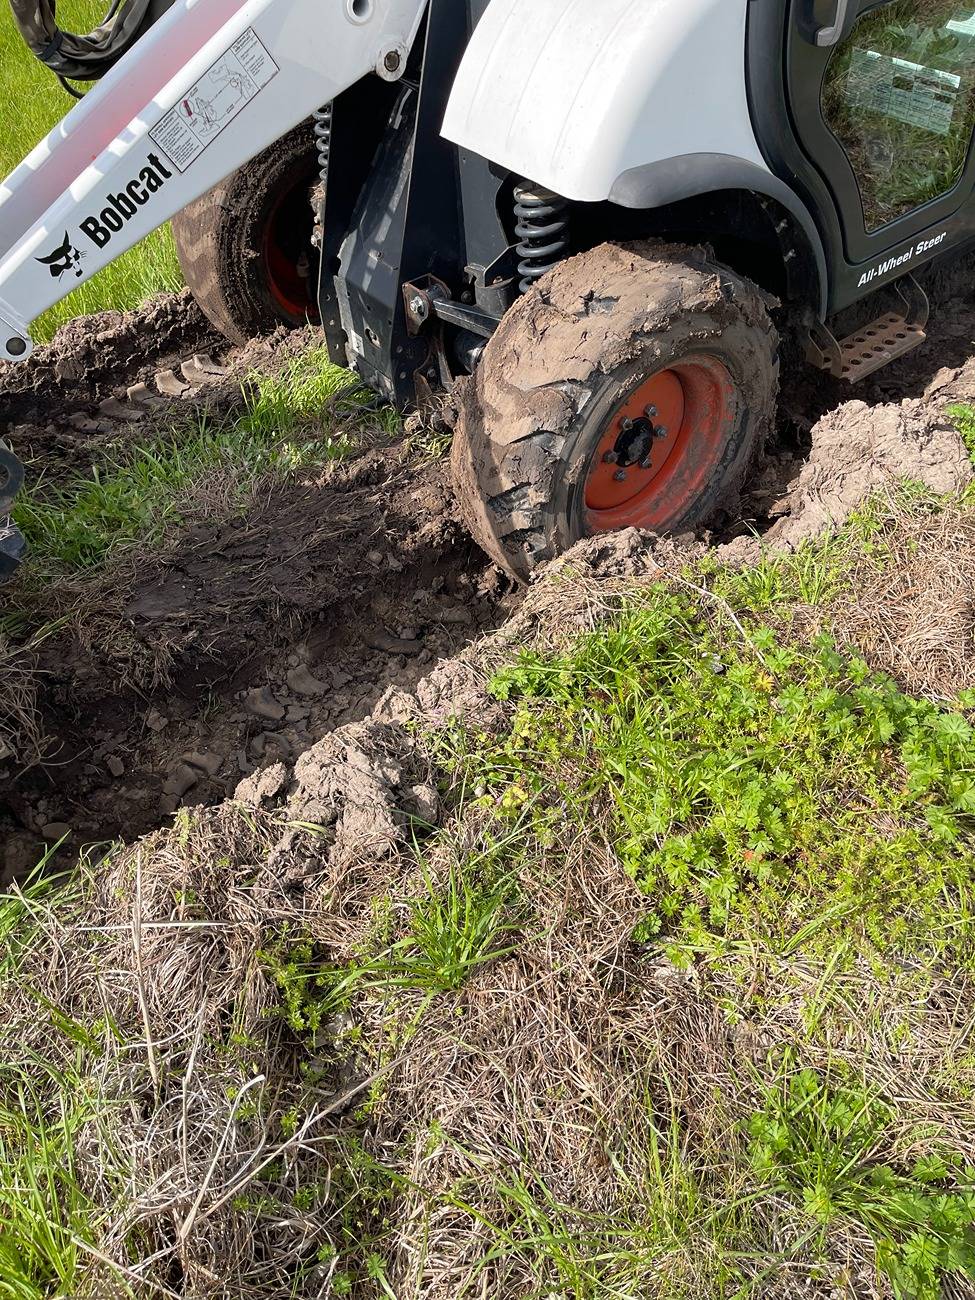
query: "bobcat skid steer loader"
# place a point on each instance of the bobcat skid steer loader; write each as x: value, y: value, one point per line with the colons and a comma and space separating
x: 582, y: 208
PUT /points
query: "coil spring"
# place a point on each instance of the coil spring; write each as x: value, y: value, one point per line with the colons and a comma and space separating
x: 542, y: 231
x: 322, y: 131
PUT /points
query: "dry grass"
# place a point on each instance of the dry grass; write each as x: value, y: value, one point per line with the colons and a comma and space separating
x: 911, y: 602
x: 569, y: 1121
x: 21, y: 739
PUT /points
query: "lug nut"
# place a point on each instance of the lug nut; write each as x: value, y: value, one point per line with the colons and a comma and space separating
x: 620, y: 476
x: 661, y: 431
x: 645, y: 463
x: 651, y: 412
x: 626, y: 424
x: 610, y: 458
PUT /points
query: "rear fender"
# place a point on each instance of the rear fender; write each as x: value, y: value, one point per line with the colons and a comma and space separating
x: 640, y: 102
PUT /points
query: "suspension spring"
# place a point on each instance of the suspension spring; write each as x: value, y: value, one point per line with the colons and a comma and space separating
x: 542, y: 231
x: 322, y: 130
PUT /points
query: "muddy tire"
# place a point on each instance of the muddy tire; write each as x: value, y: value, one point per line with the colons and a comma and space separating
x: 631, y: 387
x: 245, y: 246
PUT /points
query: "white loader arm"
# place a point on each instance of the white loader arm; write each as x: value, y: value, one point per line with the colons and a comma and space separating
x: 207, y: 88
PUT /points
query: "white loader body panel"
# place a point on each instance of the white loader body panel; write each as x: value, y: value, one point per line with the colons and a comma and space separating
x: 204, y: 91
x: 573, y: 93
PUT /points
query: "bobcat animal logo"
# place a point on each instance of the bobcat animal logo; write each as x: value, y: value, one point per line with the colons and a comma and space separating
x: 64, y: 258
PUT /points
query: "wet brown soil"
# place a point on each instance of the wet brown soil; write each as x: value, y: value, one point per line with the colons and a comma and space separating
x: 245, y: 641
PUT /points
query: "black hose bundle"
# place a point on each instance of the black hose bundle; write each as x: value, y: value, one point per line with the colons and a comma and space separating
x: 84, y: 58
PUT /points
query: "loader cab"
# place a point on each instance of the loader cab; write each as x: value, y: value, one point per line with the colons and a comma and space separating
x: 867, y: 109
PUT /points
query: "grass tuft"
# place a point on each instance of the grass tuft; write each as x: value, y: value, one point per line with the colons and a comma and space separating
x: 145, y: 491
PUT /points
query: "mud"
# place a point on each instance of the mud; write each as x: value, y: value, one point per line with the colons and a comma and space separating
x: 250, y: 640
x: 242, y: 658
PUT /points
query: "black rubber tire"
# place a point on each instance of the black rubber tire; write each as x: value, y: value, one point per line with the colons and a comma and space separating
x: 220, y: 239
x: 565, y: 355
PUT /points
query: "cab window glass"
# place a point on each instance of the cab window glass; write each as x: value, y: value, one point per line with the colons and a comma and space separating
x: 899, y: 95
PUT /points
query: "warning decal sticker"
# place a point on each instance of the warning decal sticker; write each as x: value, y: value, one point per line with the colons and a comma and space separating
x: 225, y: 88
x: 909, y: 92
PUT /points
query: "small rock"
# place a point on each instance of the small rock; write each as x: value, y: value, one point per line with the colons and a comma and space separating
x: 425, y: 803
x: 297, y: 713
x: 180, y: 780
x: 375, y: 558
x: 155, y: 721
x: 409, y: 634
x: 68, y: 368
x: 339, y: 679
x: 263, y: 787
x: 55, y: 830
x: 116, y: 410
x: 207, y: 762
x: 242, y: 762
x: 115, y: 765
x: 393, y: 645
x: 262, y: 704
x: 274, y: 741
x: 301, y: 682
x: 257, y: 746
x: 457, y: 614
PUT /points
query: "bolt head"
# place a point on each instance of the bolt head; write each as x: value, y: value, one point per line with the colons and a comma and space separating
x: 392, y: 61
x: 661, y: 431
x: 417, y: 306
x: 651, y: 412
x: 610, y: 458
x: 645, y: 463
x: 620, y: 476
x: 626, y: 424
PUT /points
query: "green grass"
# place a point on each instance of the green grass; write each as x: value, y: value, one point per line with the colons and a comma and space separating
x: 815, y: 1140
x: 450, y: 929
x: 142, y: 493
x: 46, y: 1218
x: 35, y: 103
x: 963, y: 416
x: 757, y: 791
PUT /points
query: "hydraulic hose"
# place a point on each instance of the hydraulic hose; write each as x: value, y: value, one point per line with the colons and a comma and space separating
x: 88, y: 57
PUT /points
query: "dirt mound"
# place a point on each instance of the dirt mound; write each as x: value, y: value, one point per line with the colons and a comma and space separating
x: 92, y: 356
x: 859, y: 450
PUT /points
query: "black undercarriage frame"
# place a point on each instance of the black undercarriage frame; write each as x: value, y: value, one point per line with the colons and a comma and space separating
x: 417, y: 262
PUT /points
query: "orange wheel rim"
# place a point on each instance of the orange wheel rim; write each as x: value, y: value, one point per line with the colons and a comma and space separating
x: 661, y: 446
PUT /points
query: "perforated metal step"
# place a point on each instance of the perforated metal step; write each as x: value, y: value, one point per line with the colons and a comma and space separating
x: 877, y: 344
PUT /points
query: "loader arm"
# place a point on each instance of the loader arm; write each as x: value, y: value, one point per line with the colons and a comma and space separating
x: 211, y: 85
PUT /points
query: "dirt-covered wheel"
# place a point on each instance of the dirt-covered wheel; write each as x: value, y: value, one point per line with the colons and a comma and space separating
x: 630, y: 388
x: 246, y: 245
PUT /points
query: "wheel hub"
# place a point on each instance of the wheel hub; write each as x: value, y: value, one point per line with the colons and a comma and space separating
x: 659, y: 444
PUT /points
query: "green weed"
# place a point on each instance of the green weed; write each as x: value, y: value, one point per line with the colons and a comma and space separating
x: 814, y: 1139
x: 452, y: 929
x: 963, y: 416
x: 750, y: 787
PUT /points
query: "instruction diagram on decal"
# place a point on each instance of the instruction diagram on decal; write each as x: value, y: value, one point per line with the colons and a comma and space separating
x: 225, y: 88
